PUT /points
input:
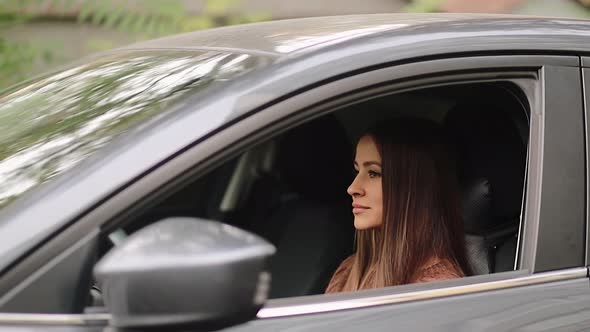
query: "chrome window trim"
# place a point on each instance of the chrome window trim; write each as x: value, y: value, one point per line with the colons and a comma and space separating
x: 329, y: 306
x: 55, y: 319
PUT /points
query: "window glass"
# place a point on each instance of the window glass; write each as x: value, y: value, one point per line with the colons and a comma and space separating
x: 49, y: 125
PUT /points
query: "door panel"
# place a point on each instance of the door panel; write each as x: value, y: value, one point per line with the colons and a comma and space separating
x: 559, y: 306
x: 557, y: 238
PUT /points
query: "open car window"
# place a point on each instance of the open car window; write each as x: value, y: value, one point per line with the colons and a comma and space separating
x: 273, y: 190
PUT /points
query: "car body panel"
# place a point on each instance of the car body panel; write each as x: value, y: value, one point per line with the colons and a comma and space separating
x: 561, y: 306
x: 557, y: 306
x: 585, y: 61
x: 33, y: 295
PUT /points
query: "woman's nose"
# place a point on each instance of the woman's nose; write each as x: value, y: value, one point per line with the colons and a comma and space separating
x: 355, y: 188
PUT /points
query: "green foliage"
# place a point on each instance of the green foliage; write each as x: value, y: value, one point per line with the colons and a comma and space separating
x: 157, y: 17
x: 423, y: 6
x: 141, y: 18
x: 152, y: 18
x: 16, y: 58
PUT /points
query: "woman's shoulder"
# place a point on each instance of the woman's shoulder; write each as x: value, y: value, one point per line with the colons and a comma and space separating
x: 340, y: 275
x: 344, y: 268
x: 436, y: 270
x: 347, y: 263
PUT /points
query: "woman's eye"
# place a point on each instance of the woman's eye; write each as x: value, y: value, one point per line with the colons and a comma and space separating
x: 373, y: 174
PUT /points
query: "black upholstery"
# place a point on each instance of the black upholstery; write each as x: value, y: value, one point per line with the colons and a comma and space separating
x: 308, y: 211
x: 313, y: 160
x: 491, y: 157
x: 315, y: 239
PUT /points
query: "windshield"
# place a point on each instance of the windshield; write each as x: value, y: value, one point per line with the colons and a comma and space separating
x: 51, y: 124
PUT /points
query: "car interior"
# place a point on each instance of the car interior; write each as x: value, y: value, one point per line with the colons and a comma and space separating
x: 291, y: 188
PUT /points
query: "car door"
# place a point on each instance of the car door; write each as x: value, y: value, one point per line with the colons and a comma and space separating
x: 548, y: 290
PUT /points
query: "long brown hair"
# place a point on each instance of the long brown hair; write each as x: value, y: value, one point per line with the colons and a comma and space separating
x: 421, y: 213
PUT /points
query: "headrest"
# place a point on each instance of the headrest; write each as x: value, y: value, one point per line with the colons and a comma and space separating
x: 491, y: 158
x: 315, y: 160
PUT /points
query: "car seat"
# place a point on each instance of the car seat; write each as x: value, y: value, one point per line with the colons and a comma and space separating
x: 302, y: 207
x: 491, y: 157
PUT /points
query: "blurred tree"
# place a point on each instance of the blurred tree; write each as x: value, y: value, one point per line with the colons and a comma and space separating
x: 143, y: 19
x: 423, y: 6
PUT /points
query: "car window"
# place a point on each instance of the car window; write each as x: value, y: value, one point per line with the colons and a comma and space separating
x: 51, y: 124
x: 291, y: 191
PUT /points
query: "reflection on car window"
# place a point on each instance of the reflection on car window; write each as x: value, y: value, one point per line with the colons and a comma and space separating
x: 49, y: 125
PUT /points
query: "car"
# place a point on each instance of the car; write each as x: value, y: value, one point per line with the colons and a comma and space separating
x: 198, y: 181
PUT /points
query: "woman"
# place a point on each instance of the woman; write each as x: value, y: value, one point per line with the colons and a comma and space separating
x: 406, y: 210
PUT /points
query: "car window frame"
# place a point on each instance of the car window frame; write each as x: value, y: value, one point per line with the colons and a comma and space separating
x: 296, y: 109
x: 561, y: 244
x: 585, y: 75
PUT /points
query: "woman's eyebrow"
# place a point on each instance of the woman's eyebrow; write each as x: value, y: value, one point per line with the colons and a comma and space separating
x: 369, y: 163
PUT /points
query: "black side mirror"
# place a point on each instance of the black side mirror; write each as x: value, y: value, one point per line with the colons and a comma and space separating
x: 182, y: 272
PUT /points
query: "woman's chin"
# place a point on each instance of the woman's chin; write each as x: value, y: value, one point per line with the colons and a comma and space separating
x: 363, y: 224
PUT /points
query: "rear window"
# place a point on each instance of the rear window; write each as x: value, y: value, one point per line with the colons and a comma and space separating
x: 49, y: 125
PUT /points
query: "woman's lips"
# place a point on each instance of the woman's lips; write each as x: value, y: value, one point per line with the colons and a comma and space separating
x: 357, y: 208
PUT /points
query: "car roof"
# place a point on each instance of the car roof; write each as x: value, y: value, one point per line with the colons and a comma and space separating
x: 296, y: 36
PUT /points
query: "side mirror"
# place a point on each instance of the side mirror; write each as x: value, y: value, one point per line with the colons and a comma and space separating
x: 182, y: 272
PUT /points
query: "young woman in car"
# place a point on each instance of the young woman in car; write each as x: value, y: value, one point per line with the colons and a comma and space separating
x: 406, y: 210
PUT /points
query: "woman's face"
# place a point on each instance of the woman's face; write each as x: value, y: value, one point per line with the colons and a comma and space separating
x: 366, y: 189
